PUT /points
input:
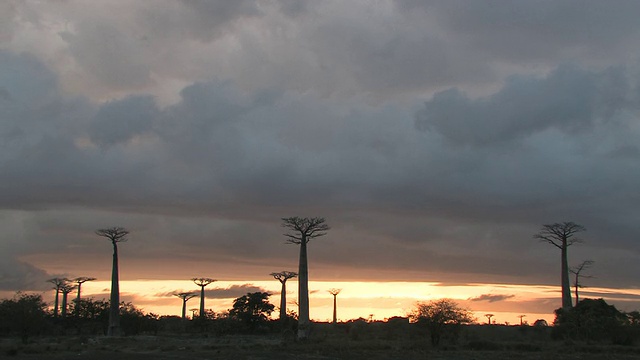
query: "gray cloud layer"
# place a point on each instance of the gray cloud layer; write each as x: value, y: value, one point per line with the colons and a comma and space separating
x: 436, y: 137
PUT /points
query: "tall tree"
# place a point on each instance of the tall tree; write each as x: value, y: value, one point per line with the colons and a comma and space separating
x: 57, y: 284
x: 185, y: 296
x: 283, y: 276
x: 577, y: 272
x: 202, y: 282
x: 115, y: 235
x: 79, y: 281
x: 335, y: 293
x: 562, y: 235
x: 65, y: 290
x: 301, y: 231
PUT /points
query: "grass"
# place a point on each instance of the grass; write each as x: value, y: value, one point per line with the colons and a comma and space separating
x: 366, y: 341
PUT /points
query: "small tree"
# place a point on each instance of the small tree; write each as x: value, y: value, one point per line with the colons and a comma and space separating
x: 335, y: 293
x: 252, y: 309
x: 202, y: 282
x: 440, y: 317
x: 24, y: 315
x: 577, y: 272
x: 283, y: 276
x: 185, y: 296
x: 562, y: 235
x: 522, y: 319
x: 115, y: 235
x: 489, y: 316
x: 301, y: 231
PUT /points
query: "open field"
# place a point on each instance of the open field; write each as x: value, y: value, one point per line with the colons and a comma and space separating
x: 479, y: 342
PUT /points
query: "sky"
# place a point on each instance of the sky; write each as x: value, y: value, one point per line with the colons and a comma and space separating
x: 435, y: 138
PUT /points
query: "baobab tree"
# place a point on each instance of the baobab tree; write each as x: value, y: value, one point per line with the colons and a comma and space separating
x: 301, y: 231
x: 335, y: 293
x: 79, y: 281
x: 115, y: 235
x: 283, y: 276
x: 562, y: 235
x: 522, y: 319
x: 202, y: 282
x: 489, y: 316
x: 65, y: 289
x: 185, y: 296
x: 57, y: 284
x: 577, y: 272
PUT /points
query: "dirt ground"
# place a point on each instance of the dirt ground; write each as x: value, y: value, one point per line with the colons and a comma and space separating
x: 274, y: 347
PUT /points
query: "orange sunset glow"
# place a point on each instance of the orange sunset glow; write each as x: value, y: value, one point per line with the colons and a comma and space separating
x: 437, y: 146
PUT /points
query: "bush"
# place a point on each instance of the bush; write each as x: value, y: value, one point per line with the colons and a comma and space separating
x: 591, y: 320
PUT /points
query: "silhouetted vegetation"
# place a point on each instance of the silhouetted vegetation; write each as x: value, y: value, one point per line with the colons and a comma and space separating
x: 441, y: 318
x: 252, y: 310
x: 24, y: 315
x: 594, y: 320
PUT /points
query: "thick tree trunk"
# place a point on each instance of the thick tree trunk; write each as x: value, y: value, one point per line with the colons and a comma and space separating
x: 55, y: 304
x: 283, y: 301
x: 114, y: 309
x: 184, y: 309
x: 303, y: 292
x: 566, y: 287
x: 201, y: 314
x: 335, y: 309
x: 76, y: 307
x: 63, y: 310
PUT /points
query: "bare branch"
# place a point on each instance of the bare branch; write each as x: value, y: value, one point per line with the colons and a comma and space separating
x: 203, y: 281
x: 334, y: 292
x: 115, y: 234
x: 560, y: 234
x: 283, y: 276
x: 186, y: 295
x: 304, y: 229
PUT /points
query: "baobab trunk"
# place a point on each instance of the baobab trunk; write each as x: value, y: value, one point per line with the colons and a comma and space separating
x: 566, y: 286
x: 201, y: 314
x: 303, y: 292
x: 56, y: 303
x: 114, y: 309
x: 63, y: 310
x: 283, y: 301
x: 335, y: 310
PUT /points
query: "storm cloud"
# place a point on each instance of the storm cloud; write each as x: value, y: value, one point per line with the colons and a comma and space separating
x: 435, y: 137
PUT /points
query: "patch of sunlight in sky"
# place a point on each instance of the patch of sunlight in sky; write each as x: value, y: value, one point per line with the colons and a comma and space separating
x: 357, y: 299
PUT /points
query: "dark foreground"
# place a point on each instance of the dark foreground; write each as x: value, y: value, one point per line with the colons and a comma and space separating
x: 277, y: 347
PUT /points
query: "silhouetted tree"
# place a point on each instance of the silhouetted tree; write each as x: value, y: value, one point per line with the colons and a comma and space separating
x: 438, y: 316
x: 562, y: 235
x: 202, y: 282
x: 185, y: 296
x: 335, y: 293
x: 283, y: 276
x: 79, y: 281
x: 489, y: 316
x: 57, y: 284
x: 24, y: 315
x: 252, y: 309
x: 115, y: 235
x: 590, y: 319
x: 577, y: 272
x: 301, y: 231
x: 522, y: 319
x: 65, y: 290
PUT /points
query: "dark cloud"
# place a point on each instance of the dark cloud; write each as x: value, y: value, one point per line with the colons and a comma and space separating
x: 492, y: 297
x: 232, y: 292
x: 568, y: 99
x: 198, y: 125
x: 18, y: 275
